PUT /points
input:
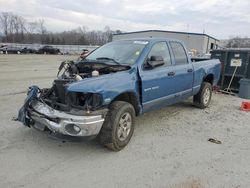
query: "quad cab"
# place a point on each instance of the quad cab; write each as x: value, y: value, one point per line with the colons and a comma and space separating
x: 101, y: 95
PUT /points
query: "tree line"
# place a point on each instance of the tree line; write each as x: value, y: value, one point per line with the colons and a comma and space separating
x: 16, y: 29
x: 238, y: 42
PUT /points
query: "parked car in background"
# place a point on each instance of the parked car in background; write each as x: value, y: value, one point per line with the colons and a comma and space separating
x: 3, y: 45
x: 28, y: 50
x: 10, y: 50
x: 48, y: 50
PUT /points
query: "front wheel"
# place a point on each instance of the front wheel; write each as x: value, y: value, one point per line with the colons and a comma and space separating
x: 118, y: 126
x: 203, y: 98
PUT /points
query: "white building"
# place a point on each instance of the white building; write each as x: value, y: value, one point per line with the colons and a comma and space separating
x: 197, y: 43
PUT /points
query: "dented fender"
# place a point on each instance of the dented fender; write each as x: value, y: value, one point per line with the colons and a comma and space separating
x: 109, y: 86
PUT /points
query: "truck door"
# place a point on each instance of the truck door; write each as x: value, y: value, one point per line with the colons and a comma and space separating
x: 157, y: 84
x: 183, y: 70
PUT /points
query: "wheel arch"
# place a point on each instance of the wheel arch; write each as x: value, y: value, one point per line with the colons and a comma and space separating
x: 129, y: 97
x: 209, y: 78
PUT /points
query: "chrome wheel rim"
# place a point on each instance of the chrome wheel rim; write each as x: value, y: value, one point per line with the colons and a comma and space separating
x: 124, y: 126
x: 206, y: 96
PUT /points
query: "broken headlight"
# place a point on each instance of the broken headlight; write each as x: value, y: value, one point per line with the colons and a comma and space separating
x: 88, y: 101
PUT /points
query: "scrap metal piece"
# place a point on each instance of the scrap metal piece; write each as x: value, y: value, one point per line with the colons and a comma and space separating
x: 14, y: 119
x: 213, y: 140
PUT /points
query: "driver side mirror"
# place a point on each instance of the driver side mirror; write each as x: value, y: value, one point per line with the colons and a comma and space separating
x: 154, y: 61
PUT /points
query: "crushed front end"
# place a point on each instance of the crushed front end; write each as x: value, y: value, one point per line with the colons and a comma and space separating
x: 59, y: 111
x: 71, y: 121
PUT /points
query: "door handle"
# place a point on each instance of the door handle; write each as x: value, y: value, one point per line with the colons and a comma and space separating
x: 190, y: 70
x: 171, y: 73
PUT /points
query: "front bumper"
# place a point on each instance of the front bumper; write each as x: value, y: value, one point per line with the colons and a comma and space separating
x: 43, y: 116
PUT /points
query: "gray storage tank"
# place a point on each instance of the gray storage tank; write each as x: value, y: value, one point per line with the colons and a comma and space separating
x: 244, y: 91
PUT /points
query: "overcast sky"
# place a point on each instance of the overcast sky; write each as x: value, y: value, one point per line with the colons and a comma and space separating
x: 218, y: 18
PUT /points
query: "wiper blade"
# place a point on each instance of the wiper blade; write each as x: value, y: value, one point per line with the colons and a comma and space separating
x: 109, y: 59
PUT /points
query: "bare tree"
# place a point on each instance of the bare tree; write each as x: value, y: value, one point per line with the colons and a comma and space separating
x: 22, y: 23
x: 108, y: 33
x: 42, y: 30
x: 4, y: 22
x: 30, y: 29
x: 16, y: 29
x: 238, y: 42
x: 13, y: 27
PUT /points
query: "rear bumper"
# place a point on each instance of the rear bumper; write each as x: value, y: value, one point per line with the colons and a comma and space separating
x: 43, y: 116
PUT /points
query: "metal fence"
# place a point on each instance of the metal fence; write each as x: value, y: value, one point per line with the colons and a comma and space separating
x: 65, y: 49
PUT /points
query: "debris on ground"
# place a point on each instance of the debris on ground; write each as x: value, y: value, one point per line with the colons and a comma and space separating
x: 245, y: 106
x: 14, y: 119
x: 213, y: 140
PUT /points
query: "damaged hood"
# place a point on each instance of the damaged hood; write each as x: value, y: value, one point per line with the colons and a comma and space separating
x: 108, y: 85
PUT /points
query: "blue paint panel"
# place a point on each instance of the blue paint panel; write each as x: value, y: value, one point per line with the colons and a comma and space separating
x: 204, y: 68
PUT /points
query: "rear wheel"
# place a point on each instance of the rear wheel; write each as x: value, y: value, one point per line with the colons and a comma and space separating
x: 118, y: 126
x: 203, y: 98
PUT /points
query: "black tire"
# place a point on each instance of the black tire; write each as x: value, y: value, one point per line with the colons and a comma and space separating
x: 203, y: 99
x: 109, y: 134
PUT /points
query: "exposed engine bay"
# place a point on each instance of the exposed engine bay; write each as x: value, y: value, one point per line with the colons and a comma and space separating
x: 69, y: 72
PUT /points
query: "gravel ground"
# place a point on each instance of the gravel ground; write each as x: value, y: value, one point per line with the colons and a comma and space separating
x: 169, y: 147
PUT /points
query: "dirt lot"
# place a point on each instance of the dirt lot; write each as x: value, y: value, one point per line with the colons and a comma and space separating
x: 169, y: 147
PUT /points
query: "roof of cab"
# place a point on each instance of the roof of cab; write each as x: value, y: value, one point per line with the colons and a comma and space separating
x: 149, y: 39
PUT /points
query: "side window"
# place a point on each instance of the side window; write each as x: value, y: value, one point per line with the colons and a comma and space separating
x: 179, y: 53
x: 161, y: 49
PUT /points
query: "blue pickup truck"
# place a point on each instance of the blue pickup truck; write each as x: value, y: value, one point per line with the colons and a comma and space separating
x: 99, y: 96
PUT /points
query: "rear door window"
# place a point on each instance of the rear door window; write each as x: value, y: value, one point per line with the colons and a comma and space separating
x: 179, y: 53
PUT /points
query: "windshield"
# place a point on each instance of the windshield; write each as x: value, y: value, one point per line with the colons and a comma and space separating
x: 122, y: 52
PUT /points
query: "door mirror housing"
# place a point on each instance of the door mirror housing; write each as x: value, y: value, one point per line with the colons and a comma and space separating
x: 154, y: 61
